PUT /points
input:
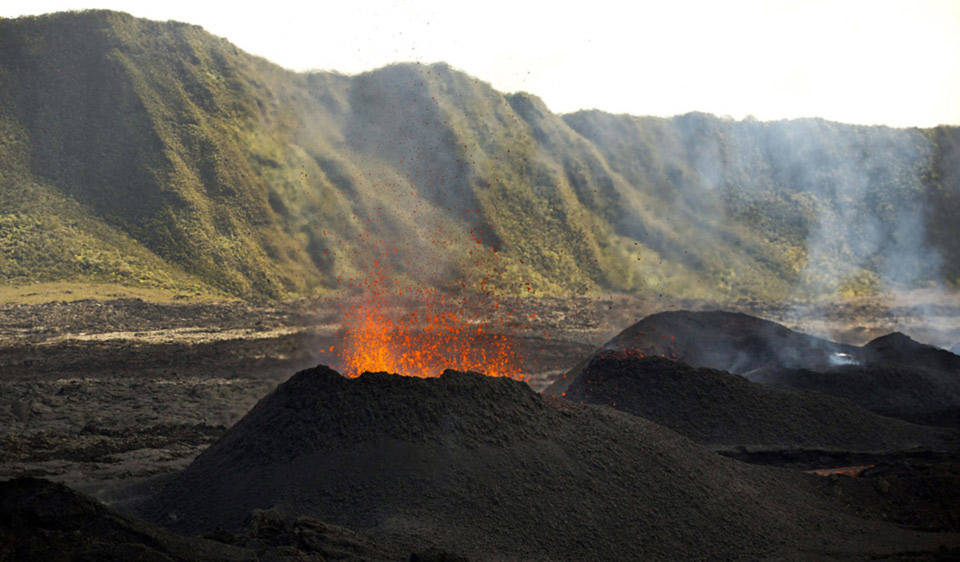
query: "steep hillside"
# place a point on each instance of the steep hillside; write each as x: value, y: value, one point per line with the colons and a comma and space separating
x: 821, y: 206
x: 152, y: 153
x: 160, y: 133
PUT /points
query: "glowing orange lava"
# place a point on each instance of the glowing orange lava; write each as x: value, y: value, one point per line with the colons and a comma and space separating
x: 851, y: 471
x: 424, y: 342
x: 412, y: 328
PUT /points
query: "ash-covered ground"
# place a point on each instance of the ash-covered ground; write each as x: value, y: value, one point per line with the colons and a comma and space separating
x: 116, y: 398
x: 99, y: 393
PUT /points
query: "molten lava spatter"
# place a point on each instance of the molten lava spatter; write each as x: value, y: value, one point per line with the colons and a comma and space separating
x: 423, y: 343
x: 412, y: 328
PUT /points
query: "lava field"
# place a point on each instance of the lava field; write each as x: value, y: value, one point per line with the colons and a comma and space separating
x: 691, y: 434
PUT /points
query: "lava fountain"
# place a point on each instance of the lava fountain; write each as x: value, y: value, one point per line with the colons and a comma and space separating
x: 414, y: 329
x: 423, y: 342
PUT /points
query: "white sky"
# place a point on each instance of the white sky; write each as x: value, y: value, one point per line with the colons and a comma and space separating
x: 894, y: 62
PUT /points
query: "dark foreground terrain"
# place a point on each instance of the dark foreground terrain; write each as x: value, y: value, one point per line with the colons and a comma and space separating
x: 94, y: 393
x: 728, y: 412
x: 488, y: 468
x: 43, y: 520
x: 114, y: 398
x: 464, y: 465
x: 98, y: 392
x: 892, y: 375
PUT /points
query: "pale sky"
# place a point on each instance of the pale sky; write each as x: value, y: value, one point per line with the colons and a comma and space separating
x: 893, y: 62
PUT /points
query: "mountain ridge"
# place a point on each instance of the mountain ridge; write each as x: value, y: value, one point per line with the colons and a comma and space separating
x: 165, y: 156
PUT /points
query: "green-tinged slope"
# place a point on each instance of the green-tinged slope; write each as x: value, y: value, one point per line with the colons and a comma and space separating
x: 45, y: 235
x: 259, y: 181
x: 154, y: 127
x: 156, y: 154
x: 767, y: 208
x: 466, y: 148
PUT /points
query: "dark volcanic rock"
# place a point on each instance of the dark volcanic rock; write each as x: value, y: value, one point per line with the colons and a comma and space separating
x: 41, y: 520
x: 900, y: 349
x: 488, y: 469
x: 728, y: 341
x: 892, y: 375
x: 725, y: 410
x: 919, y: 494
x: 273, y: 534
x: 910, y: 393
x: 897, y: 377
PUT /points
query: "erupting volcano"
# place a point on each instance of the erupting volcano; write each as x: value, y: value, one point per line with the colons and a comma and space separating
x: 398, y: 323
x: 511, y: 325
x: 423, y: 342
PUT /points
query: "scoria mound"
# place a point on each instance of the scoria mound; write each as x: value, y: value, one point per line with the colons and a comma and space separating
x: 897, y: 377
x: 727, y: 411
x: 892, y: 375
x: 489, y: 469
